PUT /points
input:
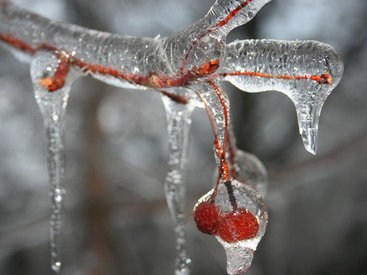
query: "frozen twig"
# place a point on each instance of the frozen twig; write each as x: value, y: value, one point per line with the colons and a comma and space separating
x: 185, y: 68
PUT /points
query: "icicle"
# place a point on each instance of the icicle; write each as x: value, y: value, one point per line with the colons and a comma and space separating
x: 305, y: 71
x: 53, y: 107
x: 195, y: 58
x: 178, y: 128
x: 308, y: 120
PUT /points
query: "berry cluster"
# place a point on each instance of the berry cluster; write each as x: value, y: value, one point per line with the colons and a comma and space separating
x: 231, y: 227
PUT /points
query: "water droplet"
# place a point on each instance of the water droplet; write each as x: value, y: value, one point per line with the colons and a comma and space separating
x: 55, y: 117
x: 56, y: 266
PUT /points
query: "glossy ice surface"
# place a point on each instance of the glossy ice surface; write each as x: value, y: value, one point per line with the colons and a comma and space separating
x: 239, y: 237
x: 186, y: 68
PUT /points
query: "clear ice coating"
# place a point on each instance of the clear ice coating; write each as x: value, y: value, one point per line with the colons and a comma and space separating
x: 53, y: 108
x: 216, y: 101
x: 305, y: 71
x: 240, y: 227
x: 251, y: 171
x: 178, y: 118
x: 186, y: 68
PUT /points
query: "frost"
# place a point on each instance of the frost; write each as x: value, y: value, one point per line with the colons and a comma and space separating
x: 186, y: 68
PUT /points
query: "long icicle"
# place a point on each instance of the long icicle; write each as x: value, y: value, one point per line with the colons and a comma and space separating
x: 55, y: 161
x: 53, y: 109
x: 178, y: 118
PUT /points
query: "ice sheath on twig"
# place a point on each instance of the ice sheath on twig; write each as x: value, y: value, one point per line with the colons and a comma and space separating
x: 195, y: 59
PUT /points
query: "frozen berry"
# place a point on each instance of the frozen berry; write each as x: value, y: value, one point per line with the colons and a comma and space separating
x: 207, y: 217
x: 237, y: 226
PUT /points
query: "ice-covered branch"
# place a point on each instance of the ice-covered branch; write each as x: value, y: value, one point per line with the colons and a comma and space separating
x: 306, y: 71
x: 185, y: 67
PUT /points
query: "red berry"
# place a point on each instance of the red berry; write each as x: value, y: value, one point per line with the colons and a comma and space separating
x: 237, y: 226
x: 207, y: 217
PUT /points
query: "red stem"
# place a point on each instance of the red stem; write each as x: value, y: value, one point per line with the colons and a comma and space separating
x: 225, y: 112
x: 321, y: 79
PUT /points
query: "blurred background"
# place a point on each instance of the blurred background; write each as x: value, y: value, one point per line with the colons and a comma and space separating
x: 117, y: 221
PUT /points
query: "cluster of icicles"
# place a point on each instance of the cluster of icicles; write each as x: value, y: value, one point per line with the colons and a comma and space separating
x: 185, y: 68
